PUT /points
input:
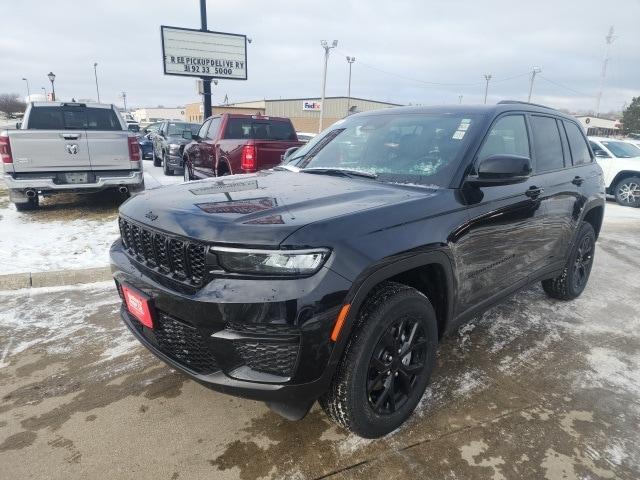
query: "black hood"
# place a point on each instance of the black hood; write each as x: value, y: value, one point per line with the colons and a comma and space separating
x: 258, y: 209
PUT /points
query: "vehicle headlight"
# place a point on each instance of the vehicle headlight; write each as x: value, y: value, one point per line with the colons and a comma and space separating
x: 174, y: 148
x: 272, y: 262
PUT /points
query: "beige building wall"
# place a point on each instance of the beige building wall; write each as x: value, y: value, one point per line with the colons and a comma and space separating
x: 195, y: 111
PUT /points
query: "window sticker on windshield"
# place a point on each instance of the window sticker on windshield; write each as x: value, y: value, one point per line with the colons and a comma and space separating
x: 465, y: 120
x: 458, y: 135
x: 463, y: 126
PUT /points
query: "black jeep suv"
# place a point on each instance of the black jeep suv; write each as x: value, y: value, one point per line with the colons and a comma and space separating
x: 333, y: 276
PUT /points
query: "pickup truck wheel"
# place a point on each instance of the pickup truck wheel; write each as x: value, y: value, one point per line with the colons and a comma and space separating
x: 627, y: 192
x: 156, y: 160
x: 386, y: 364
x: 573, y: 279
x: 165, y: 167
x: 31, y: 204
x: 186, y: 173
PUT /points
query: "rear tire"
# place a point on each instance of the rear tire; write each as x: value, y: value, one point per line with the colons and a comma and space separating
x: 387, y: 362
x: 165, y: 167
x: 30, y: 205
x: 627, y: 192
x: 156, y: 161
x: 575, y: 275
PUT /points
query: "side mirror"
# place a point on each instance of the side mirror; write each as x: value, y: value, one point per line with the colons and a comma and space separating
x: 287, y: 153
x: 18, y: 125
x: 501, y: 170
x: 601, y: 154
x: 187, y: 135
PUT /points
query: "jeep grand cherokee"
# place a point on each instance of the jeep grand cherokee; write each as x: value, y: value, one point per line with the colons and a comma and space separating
x: 333, y: 277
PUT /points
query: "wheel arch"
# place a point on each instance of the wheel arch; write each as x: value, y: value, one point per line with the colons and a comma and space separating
x: 622, y: 174
x: 223, y: 161
x: 594, y: 216
x: 431, y: 273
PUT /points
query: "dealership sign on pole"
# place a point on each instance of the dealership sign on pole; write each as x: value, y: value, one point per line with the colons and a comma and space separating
x: 205, y: 54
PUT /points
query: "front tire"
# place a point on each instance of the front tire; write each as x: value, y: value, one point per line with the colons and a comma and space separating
x: 156, y: 160
x: 186, y: 172
x: 573, y: 279
x: 165, y: 167
x: 387, y: 362
x: 627, y: 192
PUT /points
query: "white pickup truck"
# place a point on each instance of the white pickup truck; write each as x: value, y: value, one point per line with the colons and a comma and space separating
x: 620, y: 162
x: 69, y: 147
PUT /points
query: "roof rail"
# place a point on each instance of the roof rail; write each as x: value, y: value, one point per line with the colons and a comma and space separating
x: 518, y: 102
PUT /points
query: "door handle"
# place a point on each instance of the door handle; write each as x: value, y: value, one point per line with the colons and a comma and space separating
x: 534, y: 192
x: 577, y: 180
x: 70, y: 136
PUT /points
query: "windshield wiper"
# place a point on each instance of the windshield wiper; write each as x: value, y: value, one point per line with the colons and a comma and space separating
x: 289, y: 168
x: 340, y: 171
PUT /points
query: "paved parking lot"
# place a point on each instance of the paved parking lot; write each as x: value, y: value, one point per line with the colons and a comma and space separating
x: 535, y: 388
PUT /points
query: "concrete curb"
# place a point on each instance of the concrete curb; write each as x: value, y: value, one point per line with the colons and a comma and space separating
x: 16, y: 281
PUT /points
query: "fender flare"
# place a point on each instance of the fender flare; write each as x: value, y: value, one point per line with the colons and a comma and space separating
x: 224, y: 160
x: 384, y: 270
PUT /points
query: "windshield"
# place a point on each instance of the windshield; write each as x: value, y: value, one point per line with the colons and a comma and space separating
x: 178, y: 128
x: 622, y: 149
x: 409, y: 148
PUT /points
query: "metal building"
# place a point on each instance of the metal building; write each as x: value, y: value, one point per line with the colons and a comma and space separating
x: 303, y: 112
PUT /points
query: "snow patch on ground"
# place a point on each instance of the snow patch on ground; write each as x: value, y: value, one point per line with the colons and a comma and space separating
x: 613, y: 369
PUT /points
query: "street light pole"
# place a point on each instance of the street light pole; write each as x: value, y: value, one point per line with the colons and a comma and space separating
x: 326, y: 47
x: 95, y: 73
x: 534, y: 72
x: 350, y: 60
x: 460, y: 99
x: 28, y: 90
x: 487, y: 77
x: 45, y: 93
x: 52, y: 78
x: 124, y: 100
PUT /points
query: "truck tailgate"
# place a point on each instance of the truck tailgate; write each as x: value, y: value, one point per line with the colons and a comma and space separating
x: 270, y: 151
x: 49, y: 150
x: 109, y: 150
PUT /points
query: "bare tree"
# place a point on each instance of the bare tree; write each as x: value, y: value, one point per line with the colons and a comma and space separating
x: 10, y: 104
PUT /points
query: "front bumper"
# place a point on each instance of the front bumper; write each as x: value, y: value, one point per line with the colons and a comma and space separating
x: 265, y: 340
x: 103, y: 181
x: 174, y: 161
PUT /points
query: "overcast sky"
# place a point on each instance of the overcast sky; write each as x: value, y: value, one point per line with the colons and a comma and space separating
x: 400, y: 47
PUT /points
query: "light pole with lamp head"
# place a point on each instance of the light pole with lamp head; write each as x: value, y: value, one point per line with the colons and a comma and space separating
x: 52, y: 78
x: 95, y: 73
x: 28, y: 90
x: 350, y: 61
x: 326, y: 47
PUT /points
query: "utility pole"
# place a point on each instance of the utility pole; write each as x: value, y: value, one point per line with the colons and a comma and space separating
x: 326, y: 47
x: 95, y: 72
x: 609, y: 39
x: 124, y: 100
x: 206, y: 82
x: 487, y: 77
x: 350, y: 61
x: 28, y: 90
x: 534, y: 72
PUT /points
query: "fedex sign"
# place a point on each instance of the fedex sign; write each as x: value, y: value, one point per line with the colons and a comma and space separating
x: 311, y: 106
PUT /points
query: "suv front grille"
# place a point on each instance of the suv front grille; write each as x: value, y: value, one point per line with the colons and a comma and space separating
x: 181, y: 260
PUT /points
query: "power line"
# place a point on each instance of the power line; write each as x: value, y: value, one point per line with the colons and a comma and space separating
x: 564, y: 86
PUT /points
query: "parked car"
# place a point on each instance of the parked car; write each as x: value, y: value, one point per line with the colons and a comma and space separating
x: 169, y: 142
x: 133, y: 127
x: 334, y: 277
x: 620, y: 162
x: 146, y: 145
x: 233, y: 143
x: 69, y: 147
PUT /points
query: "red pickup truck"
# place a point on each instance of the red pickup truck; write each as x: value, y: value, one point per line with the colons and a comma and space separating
x: 232, y: 143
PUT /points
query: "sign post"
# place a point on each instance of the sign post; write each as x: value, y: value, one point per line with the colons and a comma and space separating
x: 204, y: 54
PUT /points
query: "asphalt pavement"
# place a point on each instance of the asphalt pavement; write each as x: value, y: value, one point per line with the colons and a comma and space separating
x: 534, y: 389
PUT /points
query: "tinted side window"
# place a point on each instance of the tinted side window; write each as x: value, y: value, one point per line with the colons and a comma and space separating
x: 547, y: 144
x: 246, y: 128
x: 202, y: 133
x: 103, y: 119
x: 507, y: 136
x: 579, y: 149
x: 213, y: 129
x: 598, y: 150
